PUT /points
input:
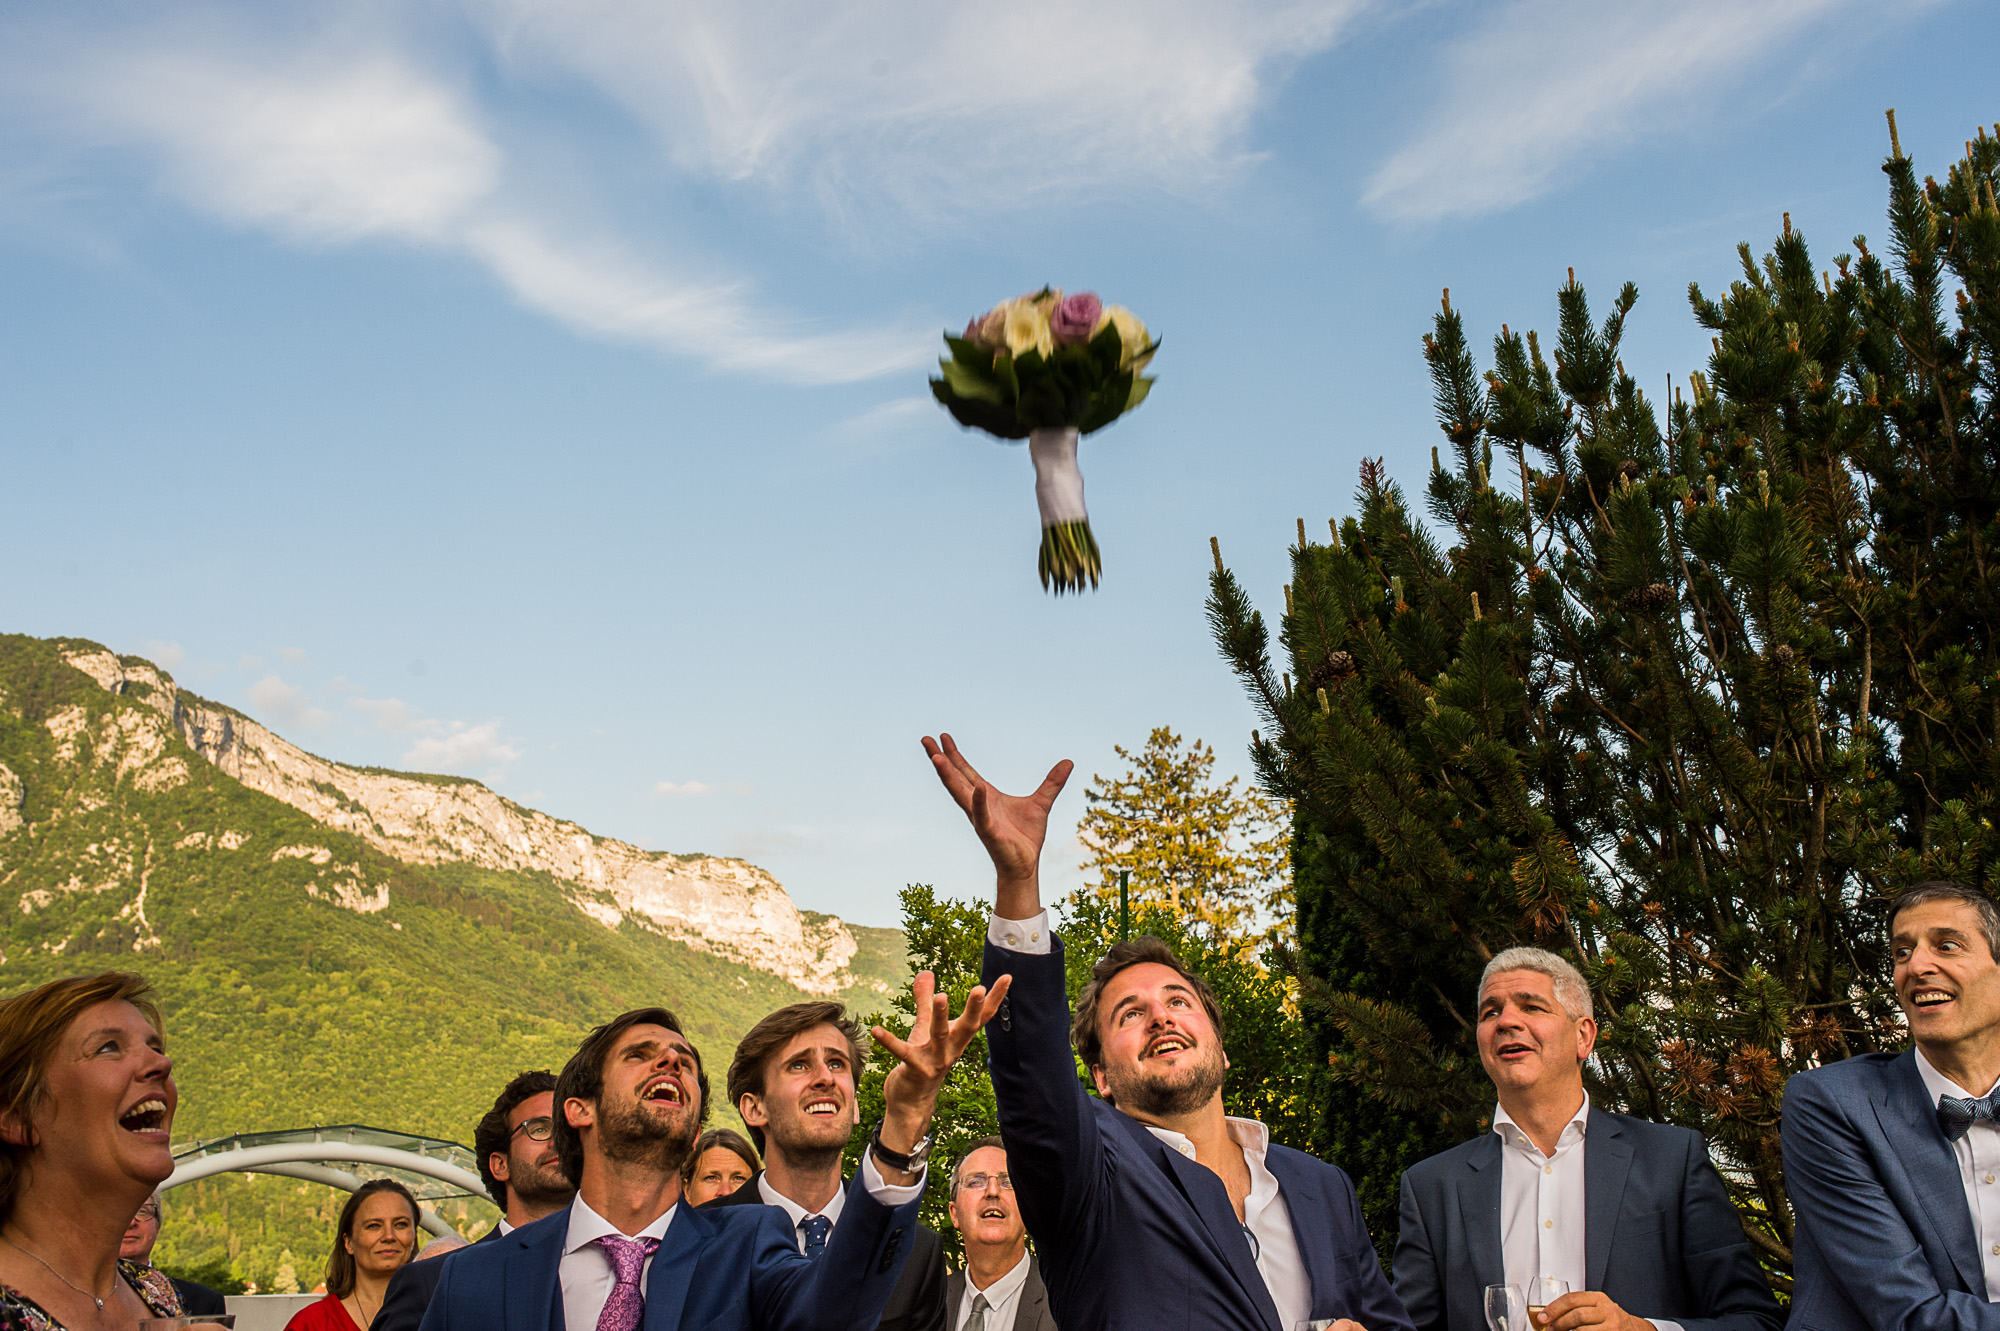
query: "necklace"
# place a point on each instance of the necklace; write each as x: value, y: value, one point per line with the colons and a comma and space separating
x: 57, y: 1274
x: 367, y: 1320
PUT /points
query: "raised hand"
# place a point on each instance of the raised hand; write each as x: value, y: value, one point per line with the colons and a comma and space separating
x: 1011, y: 827
x: 936, y: 1040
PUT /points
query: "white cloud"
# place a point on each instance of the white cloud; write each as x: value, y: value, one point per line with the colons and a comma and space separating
x: 286, y: 704
x: 1541, y: 86
x: 671, y: 788
x: 165, y: 654
x: 293, y: 654
x: 924, y: 107
x: 391, y: 714
x: 462, y: 747
x: 896, y: 112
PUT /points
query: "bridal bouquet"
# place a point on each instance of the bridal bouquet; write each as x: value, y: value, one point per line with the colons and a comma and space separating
x: 1048, y: 368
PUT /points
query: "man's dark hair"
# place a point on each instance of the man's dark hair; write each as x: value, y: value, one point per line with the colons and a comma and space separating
x: 494, y: 1134
x: 1942, y: 890
x: 769, y: 1037
x: 582, y: 1078
x: 958, y: 1165
x: 1131, y: 952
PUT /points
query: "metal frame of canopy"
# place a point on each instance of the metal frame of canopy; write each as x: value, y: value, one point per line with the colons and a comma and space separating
x: 433, y: 1170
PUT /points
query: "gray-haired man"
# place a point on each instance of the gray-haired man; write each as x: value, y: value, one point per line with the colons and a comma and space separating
x: 1629, y: 1213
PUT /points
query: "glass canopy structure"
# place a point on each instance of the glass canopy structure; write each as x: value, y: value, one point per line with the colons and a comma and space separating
x: 432, y: 1170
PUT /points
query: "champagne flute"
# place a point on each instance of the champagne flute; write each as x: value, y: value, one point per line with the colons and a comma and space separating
x: 1506, y: 1308
x: 1541, y: 1292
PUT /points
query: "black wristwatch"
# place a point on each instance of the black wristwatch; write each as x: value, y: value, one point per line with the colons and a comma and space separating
x: 913, y: 1163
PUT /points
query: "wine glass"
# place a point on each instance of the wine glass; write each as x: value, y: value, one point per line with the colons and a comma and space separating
x: 1506, y: 1308
x: 1542, y: 1291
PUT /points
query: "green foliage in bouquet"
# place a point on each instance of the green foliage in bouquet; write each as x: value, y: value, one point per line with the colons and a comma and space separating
x: 1045, y: 361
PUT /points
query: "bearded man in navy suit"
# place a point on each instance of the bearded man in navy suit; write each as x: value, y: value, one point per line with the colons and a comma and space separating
x: 625, y: 1254
x: 1891, y: 1159
x: 1149, y: 1205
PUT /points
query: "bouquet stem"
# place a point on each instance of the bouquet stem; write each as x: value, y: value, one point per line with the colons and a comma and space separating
x: 1069, y: 555
x: 1069, y: 551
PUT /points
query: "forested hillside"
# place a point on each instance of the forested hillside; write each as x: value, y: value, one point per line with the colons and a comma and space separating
x: 308, y: 976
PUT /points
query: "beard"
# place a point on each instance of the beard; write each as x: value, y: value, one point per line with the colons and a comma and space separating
x: 630, y: 1135
x: 1169, y: 1094
x: 808, y: 1144
x: 539, y: 1185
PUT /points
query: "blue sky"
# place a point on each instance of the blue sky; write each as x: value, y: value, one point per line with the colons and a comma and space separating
x: 536, y: 391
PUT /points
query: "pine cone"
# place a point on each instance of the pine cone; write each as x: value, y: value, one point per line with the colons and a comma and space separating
x: 1782, y: 654
x: 1629, y: 469
x: 1649, y: 599
x: 1337, y: 667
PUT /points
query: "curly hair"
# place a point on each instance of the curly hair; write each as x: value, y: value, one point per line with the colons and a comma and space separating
x: 493, y: 1134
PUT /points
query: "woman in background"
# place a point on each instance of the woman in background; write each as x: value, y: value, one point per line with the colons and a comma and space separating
x: 720, y: 1163
x: 376, y: 1235
x: 87, y: 1102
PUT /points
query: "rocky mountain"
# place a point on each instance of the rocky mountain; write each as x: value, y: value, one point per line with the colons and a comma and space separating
x: 340, y: 944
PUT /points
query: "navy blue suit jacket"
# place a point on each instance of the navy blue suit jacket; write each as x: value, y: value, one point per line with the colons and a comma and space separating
x: 733, y: 1269
x: 1884, y: 1238
x: 1131, y: 1233
x: 1659, y: 1233
x: 410, y: 1289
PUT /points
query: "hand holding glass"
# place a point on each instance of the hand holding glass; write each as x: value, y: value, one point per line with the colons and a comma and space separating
x: 1541, y: 1292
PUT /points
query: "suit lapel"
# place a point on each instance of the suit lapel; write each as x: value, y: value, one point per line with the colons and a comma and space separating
x: 1031, y: 1313
x: 1307, y: 1208
x: 672, y: 1271
x: 1607, y: 1160
x: 1478, y: 1192
x: 532, y: 1279
x: 1909, y: 1121
x: 1203, y: 1191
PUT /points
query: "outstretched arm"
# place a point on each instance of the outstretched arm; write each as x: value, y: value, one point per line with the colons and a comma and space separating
x: 1011, y: 827
x: 936, y: 1040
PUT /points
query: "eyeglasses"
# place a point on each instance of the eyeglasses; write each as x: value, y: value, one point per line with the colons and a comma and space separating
x: 978, y: 1182
x: 538, y: 1129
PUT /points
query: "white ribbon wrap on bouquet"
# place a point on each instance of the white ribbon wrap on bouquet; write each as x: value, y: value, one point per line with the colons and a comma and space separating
x: 1058, y: 483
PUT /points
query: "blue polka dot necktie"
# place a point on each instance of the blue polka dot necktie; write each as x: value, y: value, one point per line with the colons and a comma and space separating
x: 815, y: 1228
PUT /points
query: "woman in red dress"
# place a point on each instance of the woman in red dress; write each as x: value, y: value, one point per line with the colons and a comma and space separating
x: 378, y: 1233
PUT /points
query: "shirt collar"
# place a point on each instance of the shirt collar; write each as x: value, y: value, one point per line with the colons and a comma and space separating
x: 1253, y: 1137
x: 1513, y: 1134
x: 1937, y: 1084
x: 505, y: 1228
x: 587, y: 1226
x: 799, y: 1214
x: 1003, y: 1289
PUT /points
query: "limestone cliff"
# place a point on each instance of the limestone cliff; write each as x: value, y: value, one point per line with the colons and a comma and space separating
x: 723, y: 906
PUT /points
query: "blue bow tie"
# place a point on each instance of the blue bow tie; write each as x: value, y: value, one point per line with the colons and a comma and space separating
x: 1957, y: 1114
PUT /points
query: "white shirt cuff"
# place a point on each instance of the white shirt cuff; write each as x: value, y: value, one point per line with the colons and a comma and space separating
x: 1030, y: 937
x: 1664, y: 1325
x: 871, y: 1179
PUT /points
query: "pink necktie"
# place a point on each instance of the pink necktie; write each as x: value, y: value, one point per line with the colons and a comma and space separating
x: 627, y: 1303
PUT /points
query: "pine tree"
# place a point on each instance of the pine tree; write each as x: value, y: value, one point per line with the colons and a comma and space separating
x: 1683, y: 690
x: 1210, y: 851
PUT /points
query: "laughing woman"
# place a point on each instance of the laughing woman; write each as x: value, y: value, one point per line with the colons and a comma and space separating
x: 87, y: 1105
x: 377, y: 1234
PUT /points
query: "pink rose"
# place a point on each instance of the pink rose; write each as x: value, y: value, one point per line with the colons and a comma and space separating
x: 1075, y: 318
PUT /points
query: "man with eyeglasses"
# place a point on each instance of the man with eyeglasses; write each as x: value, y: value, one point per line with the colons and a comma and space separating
x: 1001, y: 1287
x: 515, y: 1144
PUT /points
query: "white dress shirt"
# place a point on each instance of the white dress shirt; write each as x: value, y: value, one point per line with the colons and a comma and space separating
x: 871, y: 1179
x: 1541, y: 1202
x: 1542, y: 1206
x: 1978, y: 1156
x: 1003, y: 1298
x: 1265, y: 1214
x: 585, y: 1271
x: 505, y: 1228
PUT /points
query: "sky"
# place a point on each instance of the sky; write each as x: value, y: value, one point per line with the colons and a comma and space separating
x: 536, y: 392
